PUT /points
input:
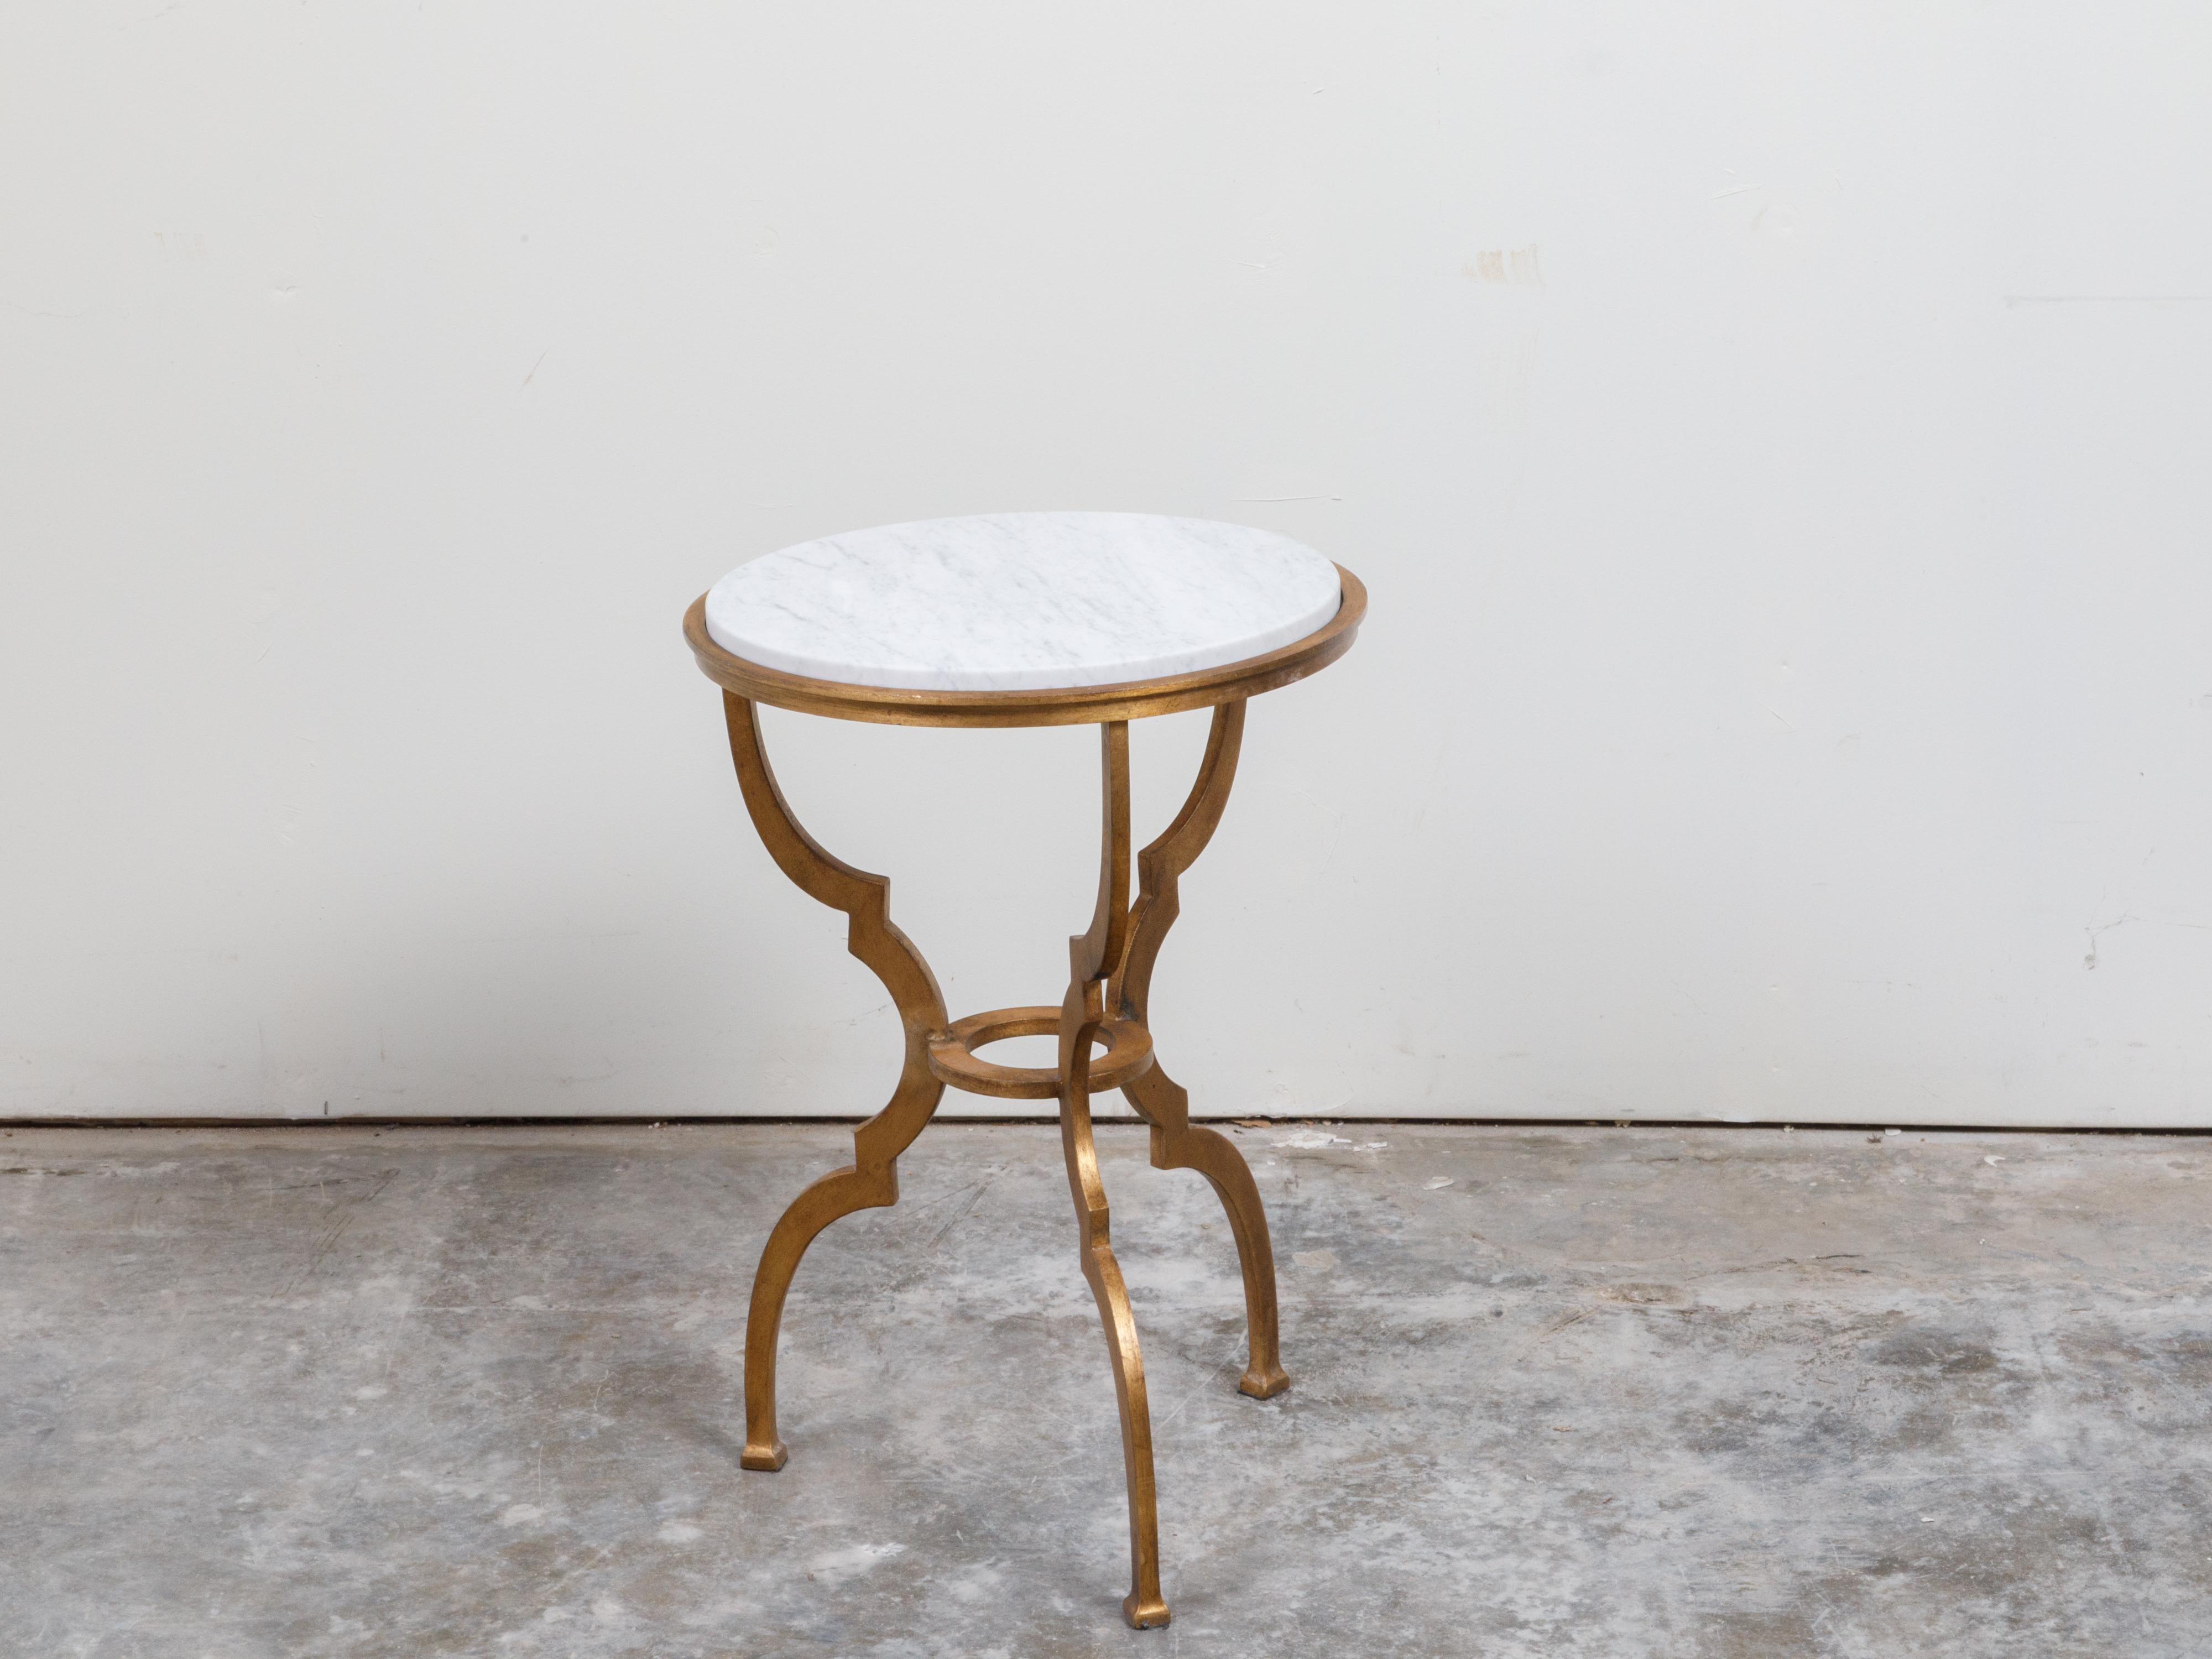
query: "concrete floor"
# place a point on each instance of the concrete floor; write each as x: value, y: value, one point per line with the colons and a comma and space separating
x: 1618, y: 1393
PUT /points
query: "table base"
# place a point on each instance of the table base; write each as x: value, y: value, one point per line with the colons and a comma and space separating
x: 1108, y: 989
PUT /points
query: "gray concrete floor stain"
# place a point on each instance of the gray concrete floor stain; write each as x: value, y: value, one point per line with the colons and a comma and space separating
x: 1603, y: 1392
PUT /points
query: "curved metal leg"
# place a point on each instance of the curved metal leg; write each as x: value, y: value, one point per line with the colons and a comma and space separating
x: 871, y: 1180
x: 1178, y: 1143
x: 1091, y: 956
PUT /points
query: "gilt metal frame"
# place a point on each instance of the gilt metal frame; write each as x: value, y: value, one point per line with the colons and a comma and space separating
x: 1109, y: 986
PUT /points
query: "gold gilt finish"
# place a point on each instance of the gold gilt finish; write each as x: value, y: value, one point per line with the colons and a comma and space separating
x: 871, y: 1180
x: 1104, y: 1044
x: 1129, y: 1052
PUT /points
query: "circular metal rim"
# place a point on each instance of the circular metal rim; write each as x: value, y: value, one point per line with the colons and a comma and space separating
x: 1081, y: 705
x: 952, y: 1059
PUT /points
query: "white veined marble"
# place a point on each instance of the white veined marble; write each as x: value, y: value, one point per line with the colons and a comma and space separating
x: 1022, y: 601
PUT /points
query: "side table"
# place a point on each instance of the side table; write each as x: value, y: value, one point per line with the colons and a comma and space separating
x: 1026, y: 619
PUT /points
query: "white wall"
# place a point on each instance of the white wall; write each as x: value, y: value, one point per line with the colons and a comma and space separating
x: 1776, y: 438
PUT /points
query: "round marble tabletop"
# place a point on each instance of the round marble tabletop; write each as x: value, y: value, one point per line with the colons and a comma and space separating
x: 1022, y: 601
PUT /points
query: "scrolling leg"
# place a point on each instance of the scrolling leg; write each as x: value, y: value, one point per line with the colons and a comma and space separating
x: 1176, y: 1143
x: 1090, y: 956
x: 872, y: 1179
